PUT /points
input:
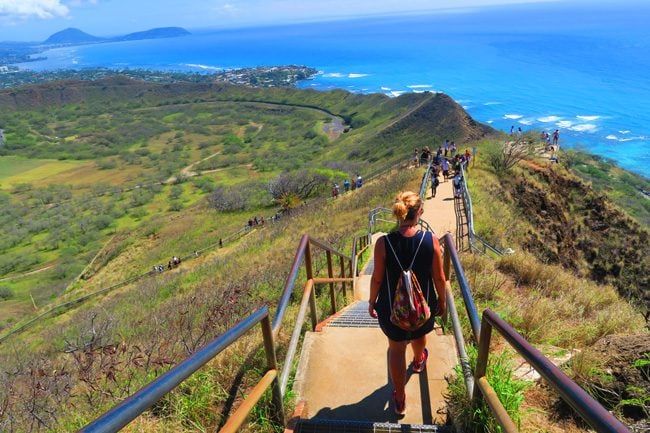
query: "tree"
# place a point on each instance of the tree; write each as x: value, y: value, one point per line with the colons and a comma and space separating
x: 290, y: 189
x: 503, y: 157
x: 229, y: 198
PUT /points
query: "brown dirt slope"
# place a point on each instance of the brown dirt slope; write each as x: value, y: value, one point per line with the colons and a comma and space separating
x: 437, y: 119
x: 585, y: 232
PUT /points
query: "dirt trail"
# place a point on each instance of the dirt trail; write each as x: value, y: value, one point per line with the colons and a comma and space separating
x: 35, y: 271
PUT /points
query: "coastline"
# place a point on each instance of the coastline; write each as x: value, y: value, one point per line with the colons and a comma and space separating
x: 295, y: 76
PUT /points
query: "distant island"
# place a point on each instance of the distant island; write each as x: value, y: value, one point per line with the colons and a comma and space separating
x: 22, y: 52
x: 72, y: 36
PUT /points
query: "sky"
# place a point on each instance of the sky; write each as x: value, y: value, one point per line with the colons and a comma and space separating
x: 36, y: 20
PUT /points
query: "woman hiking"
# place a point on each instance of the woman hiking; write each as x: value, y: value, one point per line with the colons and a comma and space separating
x: 406, y: 245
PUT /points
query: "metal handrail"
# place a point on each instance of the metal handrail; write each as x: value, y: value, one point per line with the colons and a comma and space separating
x: 425, y: 179
x: 450, y: 256
x: 132, y: 407
x: 359, y: 245
x: 125, y: 412
x: 473, y: 237
x: 375, y: 215
x: 303, y: 254
x: 478, y: 386
x: 584, y: 404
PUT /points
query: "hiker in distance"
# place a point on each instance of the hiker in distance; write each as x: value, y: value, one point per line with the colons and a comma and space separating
x: 408, y: 248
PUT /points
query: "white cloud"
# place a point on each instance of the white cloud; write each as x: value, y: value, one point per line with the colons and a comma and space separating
x: 227, y: 9
x: 43, y: 9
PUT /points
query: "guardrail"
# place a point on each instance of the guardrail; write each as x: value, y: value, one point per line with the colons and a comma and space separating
x: 425, y: 179
x: 476, y: 242
x: 477, y: 384
x: 450, y: 257
x: 131, y: 408
x: 581, y: 402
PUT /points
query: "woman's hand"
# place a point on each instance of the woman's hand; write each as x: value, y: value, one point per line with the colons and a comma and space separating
x: 371, y: 309
x: 441, y: 308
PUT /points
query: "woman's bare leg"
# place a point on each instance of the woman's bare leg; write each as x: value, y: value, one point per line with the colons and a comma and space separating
x: 397, y: 366
x: 418, y: 347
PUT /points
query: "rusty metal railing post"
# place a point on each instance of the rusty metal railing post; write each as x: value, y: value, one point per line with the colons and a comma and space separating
x: 312, y: 294
x: 482, y: 388
x: 330, y: 273
x: 482, y: 359
x: 271, y: 360
x: 446, y: 264
x: 343, y: 284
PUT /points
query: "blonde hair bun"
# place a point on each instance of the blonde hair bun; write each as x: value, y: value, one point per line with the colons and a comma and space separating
x: 406, y: 205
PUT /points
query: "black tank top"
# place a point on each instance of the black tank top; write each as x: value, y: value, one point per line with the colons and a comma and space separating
x: 405, y: 248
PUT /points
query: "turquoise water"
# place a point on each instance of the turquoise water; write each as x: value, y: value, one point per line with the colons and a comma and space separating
x: 584, y: 72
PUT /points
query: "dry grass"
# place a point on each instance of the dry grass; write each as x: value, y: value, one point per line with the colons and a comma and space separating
x: 555, y: 306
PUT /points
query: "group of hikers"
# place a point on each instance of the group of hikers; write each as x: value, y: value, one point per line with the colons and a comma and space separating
x: 255, y: 221
x: 175, y: 261
x: 447, y: 150
x: 348, y: 185
x: 447, y: 161
x: 259, y: 221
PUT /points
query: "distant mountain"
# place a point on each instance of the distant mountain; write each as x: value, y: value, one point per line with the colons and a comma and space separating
x: 157, y: 33
x: 73, y: 36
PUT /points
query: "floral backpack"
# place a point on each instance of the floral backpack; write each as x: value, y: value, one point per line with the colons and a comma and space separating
x: 409, y: 309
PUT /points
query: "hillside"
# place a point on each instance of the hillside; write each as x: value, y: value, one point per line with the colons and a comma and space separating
x: 101, y: 180
x: 71, y: 36
x: 157, y: 33
x: 86, y: 161
x: 550, y: 212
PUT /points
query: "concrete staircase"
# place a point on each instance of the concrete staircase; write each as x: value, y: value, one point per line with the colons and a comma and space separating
x: 342, y: 380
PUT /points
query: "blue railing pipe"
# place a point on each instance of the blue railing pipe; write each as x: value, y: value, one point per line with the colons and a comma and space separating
x: 132, y: 407
x: 472, y: 313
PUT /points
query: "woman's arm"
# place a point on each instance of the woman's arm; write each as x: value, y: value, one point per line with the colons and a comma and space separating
x: 377, y: 275
x: 439, y: 279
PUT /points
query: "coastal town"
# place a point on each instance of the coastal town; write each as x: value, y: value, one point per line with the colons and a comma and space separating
x: 261, y: 76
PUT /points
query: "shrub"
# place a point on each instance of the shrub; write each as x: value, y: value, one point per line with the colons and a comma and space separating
x: 6, y: 293
x: 476, y: 417
x: 503, y: 157
x: 104, y: 164
x: 291, y: 188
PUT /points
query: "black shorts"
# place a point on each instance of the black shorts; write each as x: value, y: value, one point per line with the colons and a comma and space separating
x: 398, y: 334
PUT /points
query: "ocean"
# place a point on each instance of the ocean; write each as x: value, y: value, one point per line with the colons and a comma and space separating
x: 581, y: 68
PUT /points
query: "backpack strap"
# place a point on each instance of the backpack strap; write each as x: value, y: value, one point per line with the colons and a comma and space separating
x: 414, y: 255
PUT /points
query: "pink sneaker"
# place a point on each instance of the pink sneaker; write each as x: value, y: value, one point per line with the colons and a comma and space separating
x: 418, y: 366
x: 400, y: 406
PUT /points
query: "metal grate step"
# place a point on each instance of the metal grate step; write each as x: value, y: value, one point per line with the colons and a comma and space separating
x: 355, y: 316
x: 339, y: 426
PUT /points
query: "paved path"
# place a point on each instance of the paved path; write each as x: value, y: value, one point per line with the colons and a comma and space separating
x: 439, y: 210
x: 343, y: 371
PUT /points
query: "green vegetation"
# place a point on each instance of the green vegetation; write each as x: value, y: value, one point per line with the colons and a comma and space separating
x: 477, y: 417
x: 101, y: 180
x: 623, y: 187
x: 561, y: 288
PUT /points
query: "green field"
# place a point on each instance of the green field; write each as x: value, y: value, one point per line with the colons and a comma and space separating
x: 15, y: 170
